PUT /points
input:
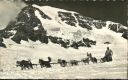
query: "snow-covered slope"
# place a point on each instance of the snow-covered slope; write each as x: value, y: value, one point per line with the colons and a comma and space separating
x: 42, y: 31
x: 34, y: 51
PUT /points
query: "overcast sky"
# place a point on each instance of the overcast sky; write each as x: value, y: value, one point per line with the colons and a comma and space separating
x: 9, y: 10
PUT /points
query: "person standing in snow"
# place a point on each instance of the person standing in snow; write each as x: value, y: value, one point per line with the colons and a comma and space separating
x: 108, y: 54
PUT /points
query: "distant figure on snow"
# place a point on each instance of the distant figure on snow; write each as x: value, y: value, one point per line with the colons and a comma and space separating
x: 108, y: 55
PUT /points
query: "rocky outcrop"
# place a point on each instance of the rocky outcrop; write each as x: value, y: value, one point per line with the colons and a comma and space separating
x: 67, y: 18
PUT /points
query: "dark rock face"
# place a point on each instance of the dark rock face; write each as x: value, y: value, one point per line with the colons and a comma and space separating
x: 83, y: 21
x: 125, y: 34
x: 83, y: 43
x: 27, y: 21
x: 67, y: 18
x: 87, y: 22
x: 57, y: 40
x: 79, y: 16
x: 99, y: 25
x: 1, y: 43
x: 119, y: 29
x: 113, y: 27
x: 5, y: 34
x: 24, y: 26
x: 67, y: 43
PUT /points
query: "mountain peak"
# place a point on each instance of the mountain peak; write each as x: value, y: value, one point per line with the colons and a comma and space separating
x: 66, y: 28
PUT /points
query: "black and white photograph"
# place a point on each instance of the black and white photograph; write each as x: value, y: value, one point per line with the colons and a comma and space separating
x: 63, y: 39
